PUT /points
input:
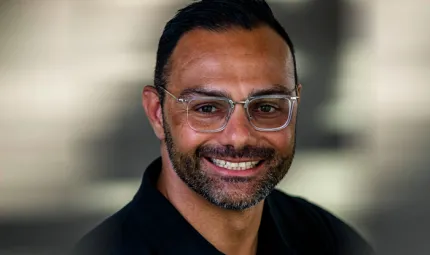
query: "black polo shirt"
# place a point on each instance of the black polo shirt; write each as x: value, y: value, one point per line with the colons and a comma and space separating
x: 150, y: 224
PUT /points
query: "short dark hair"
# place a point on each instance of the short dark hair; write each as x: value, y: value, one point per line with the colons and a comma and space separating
x: 214, y: 15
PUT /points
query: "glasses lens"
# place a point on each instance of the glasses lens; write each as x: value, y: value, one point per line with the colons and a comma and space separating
x: 269, y: 112
x: 207, y: 114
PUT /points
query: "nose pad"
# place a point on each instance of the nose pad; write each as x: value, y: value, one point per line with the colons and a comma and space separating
x: 246, y: 108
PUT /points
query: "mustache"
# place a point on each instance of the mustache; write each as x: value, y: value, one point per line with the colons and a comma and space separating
x: 230, y: 152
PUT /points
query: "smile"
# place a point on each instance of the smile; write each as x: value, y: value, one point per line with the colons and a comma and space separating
x: 237, y: 166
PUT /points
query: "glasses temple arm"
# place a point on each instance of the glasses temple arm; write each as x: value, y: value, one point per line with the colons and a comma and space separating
x: 180, y: 100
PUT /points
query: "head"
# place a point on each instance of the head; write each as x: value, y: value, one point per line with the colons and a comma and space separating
x: 233, y: 49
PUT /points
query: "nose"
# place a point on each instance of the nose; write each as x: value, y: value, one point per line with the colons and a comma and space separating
x: 238, y: 133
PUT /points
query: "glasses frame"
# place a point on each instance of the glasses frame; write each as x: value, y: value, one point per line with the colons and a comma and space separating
x: 292, y: 101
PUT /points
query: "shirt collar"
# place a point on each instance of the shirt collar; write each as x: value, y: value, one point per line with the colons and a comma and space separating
x: 157, y: 220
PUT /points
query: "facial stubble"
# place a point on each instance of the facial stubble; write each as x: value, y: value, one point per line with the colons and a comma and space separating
x: 233, y: 193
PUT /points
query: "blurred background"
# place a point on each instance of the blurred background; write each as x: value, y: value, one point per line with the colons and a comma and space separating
x: 74, y: 140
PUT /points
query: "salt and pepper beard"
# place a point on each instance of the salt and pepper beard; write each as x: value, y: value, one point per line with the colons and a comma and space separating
x: 189, y: 169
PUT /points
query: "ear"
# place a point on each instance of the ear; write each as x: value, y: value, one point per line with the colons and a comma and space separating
x: 299, y: 92
x: 152, y: 105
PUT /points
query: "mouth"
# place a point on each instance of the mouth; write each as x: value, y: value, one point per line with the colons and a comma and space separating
x: 235, y: 166
x: 244, y: 167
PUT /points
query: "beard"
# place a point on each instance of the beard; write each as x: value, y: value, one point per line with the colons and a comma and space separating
x: 233, y: 193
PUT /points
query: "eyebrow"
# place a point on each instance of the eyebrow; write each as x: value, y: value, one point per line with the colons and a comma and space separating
x: 205, y: 92
x: 275, y: 89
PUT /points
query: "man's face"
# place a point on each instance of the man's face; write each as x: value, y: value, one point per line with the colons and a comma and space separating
x: 237, y: 63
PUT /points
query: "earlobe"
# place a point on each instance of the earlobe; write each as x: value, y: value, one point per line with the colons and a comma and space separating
x: 152, y: 106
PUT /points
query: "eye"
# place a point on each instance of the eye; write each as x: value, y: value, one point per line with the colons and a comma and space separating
x: 207, y: 109
x: 266, y: 108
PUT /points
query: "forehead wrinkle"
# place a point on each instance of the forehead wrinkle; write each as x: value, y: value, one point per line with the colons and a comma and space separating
x: 210, y: 65
x: 207, y: 61
x: 262, y: 39
x: 197, y: 51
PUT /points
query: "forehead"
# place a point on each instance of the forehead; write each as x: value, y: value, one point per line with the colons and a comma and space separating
x: 234, y: 56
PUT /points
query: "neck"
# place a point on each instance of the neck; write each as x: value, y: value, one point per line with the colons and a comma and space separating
x: 231, y: 232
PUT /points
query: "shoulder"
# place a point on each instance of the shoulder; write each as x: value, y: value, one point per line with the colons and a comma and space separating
x: 105, y: 237
x: 110, y: 237
x: 309, y: 223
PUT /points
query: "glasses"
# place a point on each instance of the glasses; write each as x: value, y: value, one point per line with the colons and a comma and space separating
x: 211, y: 114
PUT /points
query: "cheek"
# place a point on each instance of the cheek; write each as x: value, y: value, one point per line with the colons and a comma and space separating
x: 282, y: 141
x: 186, y: 139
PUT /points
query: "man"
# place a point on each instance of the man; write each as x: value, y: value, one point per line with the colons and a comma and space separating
x: 224, y: 107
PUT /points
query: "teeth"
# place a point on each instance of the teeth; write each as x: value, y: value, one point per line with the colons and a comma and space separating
x: 235, y: 165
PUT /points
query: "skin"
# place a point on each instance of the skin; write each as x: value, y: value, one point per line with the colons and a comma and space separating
x: 237, y: 62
